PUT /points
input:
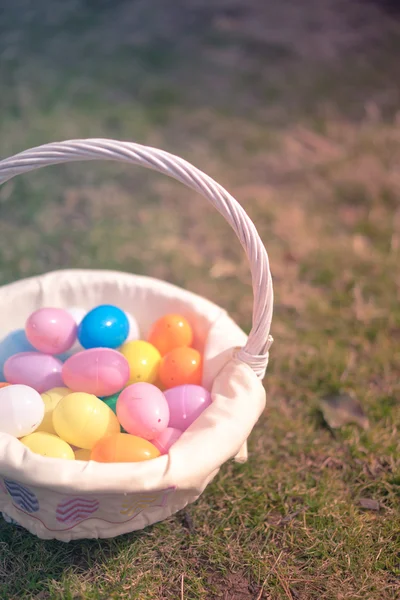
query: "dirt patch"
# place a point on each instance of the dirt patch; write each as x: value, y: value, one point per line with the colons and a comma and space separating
x: 234, y: 586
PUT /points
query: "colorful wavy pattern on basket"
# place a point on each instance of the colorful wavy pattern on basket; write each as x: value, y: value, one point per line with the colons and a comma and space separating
x: 136, y: 503
x: 73, y: 510
x: 22, y: 496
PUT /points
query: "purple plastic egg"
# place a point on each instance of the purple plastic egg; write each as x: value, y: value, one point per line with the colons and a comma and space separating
x: 98, y: 371
x: 42, y: 372
x: 166, y: 439
x: 186, y: 403
x: 143, y: 410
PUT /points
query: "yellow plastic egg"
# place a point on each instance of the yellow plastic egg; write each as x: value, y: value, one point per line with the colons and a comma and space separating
x: 48, y: 444
x: 82, y: 454
x: 82, y: 419
x: 144, y: 361
x: 51, y: 399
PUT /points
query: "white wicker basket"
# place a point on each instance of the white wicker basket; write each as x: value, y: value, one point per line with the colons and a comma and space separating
x: 72, y: 499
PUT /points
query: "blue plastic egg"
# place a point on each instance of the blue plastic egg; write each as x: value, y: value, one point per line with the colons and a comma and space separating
x: 105, y: 326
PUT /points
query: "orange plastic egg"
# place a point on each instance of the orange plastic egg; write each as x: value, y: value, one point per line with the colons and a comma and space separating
x: 4, y: 384
x: 170, y: 332
x: 181, y: 366
x: 122, y: 447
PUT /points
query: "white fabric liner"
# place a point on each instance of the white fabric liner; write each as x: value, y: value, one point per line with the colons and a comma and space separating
x: 124, y: 497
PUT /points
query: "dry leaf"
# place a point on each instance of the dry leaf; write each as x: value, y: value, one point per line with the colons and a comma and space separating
x: 223, y: 268
x: 341, y: 410
x: 369, y: 504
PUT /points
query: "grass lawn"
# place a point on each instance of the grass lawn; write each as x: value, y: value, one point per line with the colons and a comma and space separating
x: 294, y: 111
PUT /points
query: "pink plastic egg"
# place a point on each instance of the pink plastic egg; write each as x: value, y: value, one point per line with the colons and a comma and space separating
x: 166, y: 439
x: 98, y: 371
x: 186, y: 403
x: 142, y: 410
x: 51, y: 330
x: 42, y: 372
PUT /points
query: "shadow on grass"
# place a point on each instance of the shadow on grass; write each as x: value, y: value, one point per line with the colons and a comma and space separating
x: 32, y: 568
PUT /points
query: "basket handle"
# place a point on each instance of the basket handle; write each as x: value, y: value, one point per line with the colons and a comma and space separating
x: 255, y: 353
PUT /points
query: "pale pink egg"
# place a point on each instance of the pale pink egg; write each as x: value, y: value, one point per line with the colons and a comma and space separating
x: 143, y: 410
x: 98, y: 371
x: 166, y: 439
x: 51, y: 330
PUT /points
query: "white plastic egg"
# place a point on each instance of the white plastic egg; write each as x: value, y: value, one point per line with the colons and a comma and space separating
x: 77, y: 313
x: 134, y: 333
x: 21, y: 410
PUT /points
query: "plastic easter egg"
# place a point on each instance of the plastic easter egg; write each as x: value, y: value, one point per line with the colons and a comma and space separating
x: 99, y: 371
x: 51, y: 330
x: 122, y: 447
x: 21, y: 410
x: 105, y: 326
x: 111, y: 402
x: 77, y: 313
x: 82, y: 419
x: 134, y: 332
x: 166, y: 439
x: 143, y: 410
x: 181, y: 366
x: 186, y: 403
x: 51, y: 399
x: 82, y: 454
x: 49, y: 445
x: 170, y: 332
x: 39, y: 371
x: 13, y: 343
x: 4, y: 384
x: 144, y: 361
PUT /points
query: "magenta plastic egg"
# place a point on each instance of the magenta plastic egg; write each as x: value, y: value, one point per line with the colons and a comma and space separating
x: 21, y: 410
x: 51, y: 330
x: 42, y: 372
x: 142, y: 410
x: 98, y: 371
x: 166, y: 439
x: 186, y: 403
